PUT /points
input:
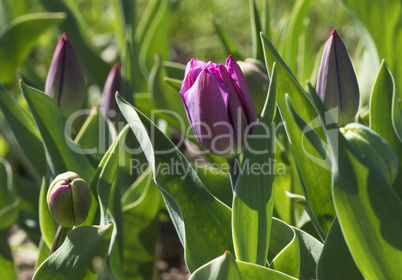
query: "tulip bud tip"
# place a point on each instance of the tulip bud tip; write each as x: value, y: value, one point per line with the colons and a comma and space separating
x: 334, y: 33
x: 20, y: 81
x: 227, y: 252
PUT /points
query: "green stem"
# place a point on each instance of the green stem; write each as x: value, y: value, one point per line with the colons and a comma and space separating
x: 233, y: 172
x: 58, y: 239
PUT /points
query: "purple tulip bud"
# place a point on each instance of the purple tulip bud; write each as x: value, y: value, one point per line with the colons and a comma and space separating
x: 65, y: 82
x: 113, y: 84
x: 336, y: 82
x: 219, y: 106
x: 69, y: 199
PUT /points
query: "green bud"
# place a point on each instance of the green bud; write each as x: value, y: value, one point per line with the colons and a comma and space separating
x: 372, y: 147
x: 69, y: 199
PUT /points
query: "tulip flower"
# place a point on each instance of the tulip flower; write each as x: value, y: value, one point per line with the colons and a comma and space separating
x: 113, y: 84
x: 69, y: 199
x: 373, y: 148
x: 336, y: 82
x: 65, y: 82
x: 219, y: 106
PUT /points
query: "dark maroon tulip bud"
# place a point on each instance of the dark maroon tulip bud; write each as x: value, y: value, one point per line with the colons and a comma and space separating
x: 65, y: 81
x: 113, y: 84
x: 336, y: 82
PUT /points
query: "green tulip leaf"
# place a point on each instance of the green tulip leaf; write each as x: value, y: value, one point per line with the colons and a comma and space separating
x: 107, y: 181
x: 202, y: 222
x: 385, y: 116
x: 294, y: 31
x: 24, y: 130
x: 165, y: 97
x: 43, y: 253
x: 141, y: 230
x: 96, y: 125
x: 61, y: 152
x: 109, y: 198
x: 217, y: 182
x: 251, y: 271
x: 383, y: 21
x: 230, y: 44
x: 8, y: 268
x: 369, y: 213
x: 28, y: 192
x: 48, y: 225
x: 81, y: 256
x: 256, y: 28
x: 221, y: 268
x: 252, y: 199
x: 310, y: 252
x: 155, y: 39
x: 284, y: 252
x: 9, y: 214
x: 174, y: 83
x: 19, y: 37
x: 336, y: 262
x: 314, y: 172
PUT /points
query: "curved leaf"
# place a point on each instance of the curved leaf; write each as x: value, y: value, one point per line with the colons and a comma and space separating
x: 19, y: 37
x: 61, y: 153
x: 202, y: 222
x: 369, y: 213
x: 284, y: 249
x: 336, y: 262
x: 313, y: 169
x: 24, y: 131
x: 221, y: 268
x: 140, y: 230
x: 81, y: 256
x: 385, y: 116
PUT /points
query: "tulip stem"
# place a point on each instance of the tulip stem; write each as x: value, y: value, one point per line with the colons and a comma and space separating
x: 58, y: 239
x: 233, y: 172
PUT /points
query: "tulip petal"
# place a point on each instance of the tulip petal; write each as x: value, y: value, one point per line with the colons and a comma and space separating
x: 240, y: 81
x: 206, y: 103
x: 336, y: 80
x: 113, y: 83
x: 61, y: 206
x: 194, y: 63
x: 190, y: 79
x: 237, y: 115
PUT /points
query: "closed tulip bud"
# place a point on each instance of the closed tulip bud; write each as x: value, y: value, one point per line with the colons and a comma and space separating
x: 113, y: 84
x: 219, y: 106
x: 65, y: 82
x: 257, y: 80
x: 372, y: 147
x: 336, y: 82
x: 69, y: 199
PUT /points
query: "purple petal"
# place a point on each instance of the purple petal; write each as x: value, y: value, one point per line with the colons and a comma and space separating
x: 240, y: 81
x: 194, y: 63
x: 206, y: 103
x: 113, y: 83
x: 236, y: 109
x: 190, y: 79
